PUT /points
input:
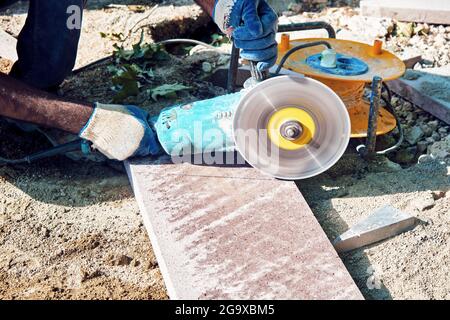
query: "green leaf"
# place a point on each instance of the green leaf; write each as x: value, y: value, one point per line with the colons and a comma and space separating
x: 122, y: 53
x: 128, y: 88
x: 126, y: 81
x: 167, y: 91
x: 217, y: 40
x: 128, y: 72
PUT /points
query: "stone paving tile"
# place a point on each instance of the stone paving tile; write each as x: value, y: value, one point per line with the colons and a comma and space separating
x: 233, y: 233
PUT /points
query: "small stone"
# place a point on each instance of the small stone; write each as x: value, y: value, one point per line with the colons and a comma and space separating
x: 136, y: 263
x: 122, y: 260
x: 440, y: 149
x: 426, y: 130
x: 44, y: 232
x: 439, y: 41
x: 407, y: 106
x: 405, y: 29
x: 442, y: 130
x: 430, y: 140
x: 422, y: 146
x: 395, y: 101
x: 418, y: 29
x: 17, y: 217
x: 207, y: 67
x: 406, y: 156
x: 85, y: 275
x: 296, y: 7
x: 436, y: 136
x: 411, y: 117
x: 437, y: 195
x: 423, y: 118
x: 414, y: 135
x: 433, y: 125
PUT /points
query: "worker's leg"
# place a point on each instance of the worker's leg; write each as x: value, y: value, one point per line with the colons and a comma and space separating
x: 47, y: 44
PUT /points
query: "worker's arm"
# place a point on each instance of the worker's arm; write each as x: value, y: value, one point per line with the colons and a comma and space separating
x: 252, y: 24
x: 117, y: 131
x: 21, y: 102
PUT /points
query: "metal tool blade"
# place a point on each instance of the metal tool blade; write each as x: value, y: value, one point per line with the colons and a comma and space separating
x: 327, y: 109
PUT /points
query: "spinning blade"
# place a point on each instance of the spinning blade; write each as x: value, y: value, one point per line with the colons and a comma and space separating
x: 291, y: 127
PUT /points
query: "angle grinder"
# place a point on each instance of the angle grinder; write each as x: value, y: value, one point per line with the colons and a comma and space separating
x: 289, y: 127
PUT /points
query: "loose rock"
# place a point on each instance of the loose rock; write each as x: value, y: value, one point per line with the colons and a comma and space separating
x: 406, y: 156
x: 414, y: 135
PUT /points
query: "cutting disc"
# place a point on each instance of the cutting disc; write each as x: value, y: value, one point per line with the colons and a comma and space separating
x: 291, y: 127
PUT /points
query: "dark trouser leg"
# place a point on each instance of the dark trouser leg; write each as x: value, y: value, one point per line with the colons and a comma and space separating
x: 47, y: 47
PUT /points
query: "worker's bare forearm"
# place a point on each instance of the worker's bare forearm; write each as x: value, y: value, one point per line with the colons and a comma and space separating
x: 21, y: 102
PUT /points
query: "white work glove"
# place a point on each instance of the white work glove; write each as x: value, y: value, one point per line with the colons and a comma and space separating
x: 120, y: 132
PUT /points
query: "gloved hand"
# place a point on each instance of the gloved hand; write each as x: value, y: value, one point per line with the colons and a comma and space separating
x: 253, y: 25
x: 120, y: 132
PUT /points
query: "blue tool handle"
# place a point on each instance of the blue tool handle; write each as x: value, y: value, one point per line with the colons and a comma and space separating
x: 198, y: 127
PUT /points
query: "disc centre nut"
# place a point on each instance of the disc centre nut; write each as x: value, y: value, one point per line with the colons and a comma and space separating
x: 291, y: 130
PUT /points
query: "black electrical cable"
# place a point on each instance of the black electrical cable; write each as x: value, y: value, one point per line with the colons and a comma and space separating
x: 97, y: 62
x: 297, y: 48
x: 61, y: 149
x: 388, y: 91
x: 397, y: 118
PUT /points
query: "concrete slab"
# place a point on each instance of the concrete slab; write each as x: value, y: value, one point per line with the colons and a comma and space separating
x: 381, y: 225
x: 8, y: 46
x: 429, y: 11
x: 429, y: 89
x: 232, y: 233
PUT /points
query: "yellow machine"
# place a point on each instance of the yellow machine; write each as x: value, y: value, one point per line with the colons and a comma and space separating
x: 350, y: 88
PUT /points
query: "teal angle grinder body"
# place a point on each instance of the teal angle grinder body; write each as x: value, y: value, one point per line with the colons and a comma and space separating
x: 259, y: 123
x: 199, y: 127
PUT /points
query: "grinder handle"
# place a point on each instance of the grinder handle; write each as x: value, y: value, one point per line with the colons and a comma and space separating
x: 258, y: 75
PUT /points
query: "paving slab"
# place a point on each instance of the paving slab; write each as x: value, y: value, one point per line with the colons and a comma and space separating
x: 7, y: 46
x: 429, y: 11
x: 233, y: 233
x: 384, y: 223
x: 428, y: 89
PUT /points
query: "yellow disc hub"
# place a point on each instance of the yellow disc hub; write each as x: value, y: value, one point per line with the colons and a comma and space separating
x: 291, y: 128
